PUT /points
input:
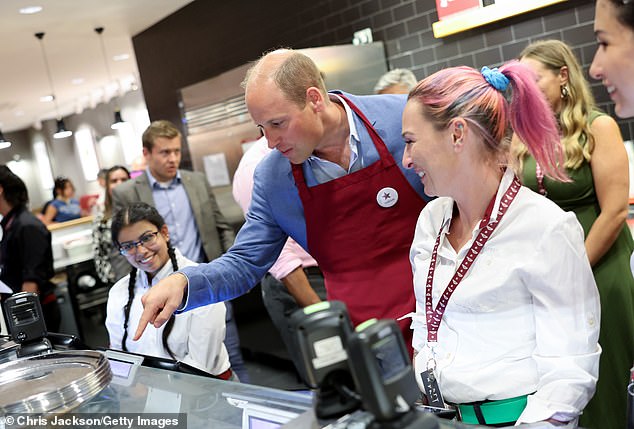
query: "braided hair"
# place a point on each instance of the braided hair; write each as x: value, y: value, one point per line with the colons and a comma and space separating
x: 131, y: 214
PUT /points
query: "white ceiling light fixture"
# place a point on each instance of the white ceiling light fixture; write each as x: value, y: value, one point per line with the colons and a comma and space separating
x: 30, y: 10
x: 61, y: 132
x: 118, y: 120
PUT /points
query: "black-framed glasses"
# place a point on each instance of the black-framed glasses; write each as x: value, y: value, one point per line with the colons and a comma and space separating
x: 145, y: 240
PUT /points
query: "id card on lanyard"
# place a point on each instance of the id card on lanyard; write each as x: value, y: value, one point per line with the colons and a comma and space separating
x: 434, y: 316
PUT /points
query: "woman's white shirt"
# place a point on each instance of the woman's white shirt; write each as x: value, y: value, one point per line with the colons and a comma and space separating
x: 524, y: 319
x: 196, y: 337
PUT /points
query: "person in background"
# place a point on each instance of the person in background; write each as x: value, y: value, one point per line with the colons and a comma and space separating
x: 26, y: 255
x: 294, y: 281
x: 98, y: 207
x: 195, y: 338
x: 507, y: 317
x: 397, y: 81
x: 109, y: 263
x: 64, y: 206
x: 188, y: 205
x: 597, y: 163
x: 332, y: 184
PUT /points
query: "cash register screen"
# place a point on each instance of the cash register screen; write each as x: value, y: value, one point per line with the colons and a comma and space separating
x: 255, y: 416
x: 262, y: 423
x: 120, y: 368
x: 389, y: 356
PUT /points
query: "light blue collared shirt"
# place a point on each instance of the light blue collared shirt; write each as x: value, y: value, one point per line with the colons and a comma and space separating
x: 173, y: 204
x: 325, y: 171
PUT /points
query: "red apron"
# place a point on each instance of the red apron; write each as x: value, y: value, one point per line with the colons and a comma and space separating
x: 362, y: 247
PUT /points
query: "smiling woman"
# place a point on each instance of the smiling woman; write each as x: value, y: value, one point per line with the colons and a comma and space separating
x: 493, y: 312
x: 196, y: 337
x: 613, y: 62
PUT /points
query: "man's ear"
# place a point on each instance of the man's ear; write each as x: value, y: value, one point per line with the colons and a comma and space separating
x: 315, y: 98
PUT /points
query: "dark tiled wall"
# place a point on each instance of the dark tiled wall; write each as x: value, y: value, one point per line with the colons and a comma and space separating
x: 207, y: 38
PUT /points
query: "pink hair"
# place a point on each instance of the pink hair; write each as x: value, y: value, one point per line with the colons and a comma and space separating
x: 463, y: 92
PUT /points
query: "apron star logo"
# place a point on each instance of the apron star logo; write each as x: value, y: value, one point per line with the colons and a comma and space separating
x: 387, y: 197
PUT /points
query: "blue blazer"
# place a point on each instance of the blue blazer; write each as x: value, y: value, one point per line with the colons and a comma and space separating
x: 276, y: 210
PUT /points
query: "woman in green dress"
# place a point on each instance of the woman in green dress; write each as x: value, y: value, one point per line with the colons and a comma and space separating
x: 597, y: 164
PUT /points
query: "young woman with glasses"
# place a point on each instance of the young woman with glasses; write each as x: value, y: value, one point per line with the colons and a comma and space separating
x: 195, y: 337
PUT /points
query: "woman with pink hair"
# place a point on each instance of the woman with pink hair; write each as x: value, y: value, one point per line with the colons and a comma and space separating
x: 507, y: 312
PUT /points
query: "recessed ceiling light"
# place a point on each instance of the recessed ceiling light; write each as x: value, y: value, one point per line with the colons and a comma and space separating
x: 77, y: 81
x: 121, y: 57
x: 30, y: 10
x: 46, y: 98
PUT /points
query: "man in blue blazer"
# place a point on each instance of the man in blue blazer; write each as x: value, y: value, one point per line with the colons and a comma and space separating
x: 335, y: 184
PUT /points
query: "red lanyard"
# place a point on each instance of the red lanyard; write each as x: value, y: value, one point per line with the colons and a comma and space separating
x: 434, y: 316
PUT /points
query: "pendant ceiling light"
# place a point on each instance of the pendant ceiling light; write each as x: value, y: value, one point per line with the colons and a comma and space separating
x: 4, y: 143
x: 62, y: 131
x: 118, y: 120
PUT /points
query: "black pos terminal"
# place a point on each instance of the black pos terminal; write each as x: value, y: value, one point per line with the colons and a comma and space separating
x: 365, y: 369
x: 25, y: 322
x: 322, y: 331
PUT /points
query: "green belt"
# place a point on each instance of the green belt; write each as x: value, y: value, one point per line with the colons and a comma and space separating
x: 493, y: 412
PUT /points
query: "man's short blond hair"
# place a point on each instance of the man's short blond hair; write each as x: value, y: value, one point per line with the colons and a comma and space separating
x: 161, y: 128
x: 294, y: 74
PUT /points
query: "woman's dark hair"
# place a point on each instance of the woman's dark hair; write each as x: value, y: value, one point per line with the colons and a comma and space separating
x: 60, y: 184
x: 625, y: 12
x: 131, y: 214
x: 14, y: 190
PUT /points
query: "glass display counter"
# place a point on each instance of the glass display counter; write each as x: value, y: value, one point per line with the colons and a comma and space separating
x: 208, y: 402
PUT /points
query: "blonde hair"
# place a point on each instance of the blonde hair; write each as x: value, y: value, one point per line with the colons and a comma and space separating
x: 576, y: 104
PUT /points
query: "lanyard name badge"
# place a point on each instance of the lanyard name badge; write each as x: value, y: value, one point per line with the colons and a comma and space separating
x: 434, y: 316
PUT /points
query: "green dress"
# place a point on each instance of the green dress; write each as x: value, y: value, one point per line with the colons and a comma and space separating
x: 607, y: 409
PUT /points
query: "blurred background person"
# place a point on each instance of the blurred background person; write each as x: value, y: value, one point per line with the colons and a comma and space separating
x: 507, y: 312
x: 26, y: 255
x: 103, y: 190
x: 597, y: 163
x: 196, y: 337
x: 64, y: 206
x: 397, y: 81
x: 109, y: 263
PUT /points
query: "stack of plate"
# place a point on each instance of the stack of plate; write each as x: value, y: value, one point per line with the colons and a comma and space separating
x: 52, y: 383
